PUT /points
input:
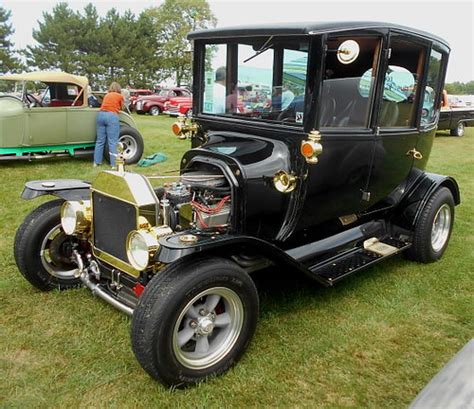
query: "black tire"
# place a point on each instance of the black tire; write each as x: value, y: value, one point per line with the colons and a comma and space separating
x: 30, y: 241
x: 160, y: 314
x: 134, y: 145
x: 425, y: 248
x: 154, y: 111
x: 458, y: 131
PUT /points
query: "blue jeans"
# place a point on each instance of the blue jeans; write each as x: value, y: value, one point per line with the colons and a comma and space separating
x: 108, y: 129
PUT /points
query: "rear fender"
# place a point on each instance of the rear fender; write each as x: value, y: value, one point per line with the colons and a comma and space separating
x: 410, y: 208
x: 67, y: 189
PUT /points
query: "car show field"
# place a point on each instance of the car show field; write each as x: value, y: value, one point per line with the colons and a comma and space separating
x: 371, y: 341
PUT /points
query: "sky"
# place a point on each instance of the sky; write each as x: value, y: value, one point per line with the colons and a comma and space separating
x: 451, y: 20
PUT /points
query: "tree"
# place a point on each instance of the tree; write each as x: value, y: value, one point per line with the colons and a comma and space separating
x: 460, y: 88
x: 173, y: 20
x: 8, y: 61
x: 57, y: 40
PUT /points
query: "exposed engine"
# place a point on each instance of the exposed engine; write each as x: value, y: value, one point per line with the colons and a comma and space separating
x: 200, y: 200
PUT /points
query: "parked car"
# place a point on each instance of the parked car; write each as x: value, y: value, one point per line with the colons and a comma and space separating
x: 327, y: 187
x: 179, y: 106
x: 57, y: 122
x: 454, y: 116
x: 137, y: 93
x: 155, y: 104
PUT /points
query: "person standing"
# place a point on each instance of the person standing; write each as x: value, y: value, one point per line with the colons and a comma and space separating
x: 219, y: 92
x: 126, y: 95
x: 287, y: 97
x: 108, y: 124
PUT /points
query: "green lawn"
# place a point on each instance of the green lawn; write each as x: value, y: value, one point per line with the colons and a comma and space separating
x: 374, y: 340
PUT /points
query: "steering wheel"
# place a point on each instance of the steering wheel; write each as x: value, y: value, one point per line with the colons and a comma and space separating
x: 11, y: 96
x: 32, y: 101
x: 287, y: 115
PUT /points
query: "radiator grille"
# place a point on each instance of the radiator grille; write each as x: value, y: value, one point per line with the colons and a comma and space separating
x: 113, y: 219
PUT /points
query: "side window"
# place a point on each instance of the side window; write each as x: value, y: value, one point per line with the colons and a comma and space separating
x: 401, y: 84
x: 348, y: 82
x: 215, y: 79
x: 429, y: 110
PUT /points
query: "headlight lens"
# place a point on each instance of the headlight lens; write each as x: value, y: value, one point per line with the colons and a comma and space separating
x: 141, y: 244
x: 75, y: 216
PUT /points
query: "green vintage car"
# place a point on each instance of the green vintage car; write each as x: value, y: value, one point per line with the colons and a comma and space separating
x: 45, y: 114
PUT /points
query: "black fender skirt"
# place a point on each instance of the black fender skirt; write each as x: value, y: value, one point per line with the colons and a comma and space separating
x: 172, y: 249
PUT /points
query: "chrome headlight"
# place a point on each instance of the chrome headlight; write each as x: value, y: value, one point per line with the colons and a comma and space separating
x: 141, y: 245
x: 76, y: 216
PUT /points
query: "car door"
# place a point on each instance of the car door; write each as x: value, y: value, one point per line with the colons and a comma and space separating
x: 396, y: 141
x: 81, y: 124
x: 336, y: 184
x: 46, y: 126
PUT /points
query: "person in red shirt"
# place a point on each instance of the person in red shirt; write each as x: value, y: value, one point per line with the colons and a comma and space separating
x: 108, y: 124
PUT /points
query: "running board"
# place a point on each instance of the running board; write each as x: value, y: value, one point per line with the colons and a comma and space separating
x: 353, y: 260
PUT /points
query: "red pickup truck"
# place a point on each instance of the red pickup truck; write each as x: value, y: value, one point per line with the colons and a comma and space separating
x: 155, y: 104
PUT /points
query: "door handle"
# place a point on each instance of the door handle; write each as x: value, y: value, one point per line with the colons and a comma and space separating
x: 416, y: 154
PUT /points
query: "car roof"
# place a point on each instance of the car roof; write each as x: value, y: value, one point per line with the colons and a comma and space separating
x: 48, y: 77
x: 310, y: 28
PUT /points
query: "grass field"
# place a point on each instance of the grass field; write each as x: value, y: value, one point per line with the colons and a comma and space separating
x: 373, y: 341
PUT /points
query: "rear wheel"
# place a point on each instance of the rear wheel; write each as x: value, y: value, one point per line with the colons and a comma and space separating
x: 42, y: 250
x: 133, y: 144
x: 194, y: 320
x: 459, y: 130
x: 433, y: 228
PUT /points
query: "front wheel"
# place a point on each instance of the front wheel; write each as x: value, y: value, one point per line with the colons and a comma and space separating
x: 154, y: 111
x: 433, y: 228
x: 42, y: 250
x: 458, y: 131
x: 194, y: 320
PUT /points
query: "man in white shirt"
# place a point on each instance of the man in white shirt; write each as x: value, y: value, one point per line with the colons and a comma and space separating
x: 287, y: 97
x: 218, y: 92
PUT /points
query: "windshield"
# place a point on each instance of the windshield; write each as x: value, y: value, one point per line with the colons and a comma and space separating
x: 266, y: 81
x: 11, y: 88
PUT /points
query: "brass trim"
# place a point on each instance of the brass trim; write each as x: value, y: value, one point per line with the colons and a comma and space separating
x: 314, y: 139
x: 416, y: 154
x: 181, y: 128
x: 284, y: 182
x: 348, y: 219
x: 188, y: 238
x: 115, y: 262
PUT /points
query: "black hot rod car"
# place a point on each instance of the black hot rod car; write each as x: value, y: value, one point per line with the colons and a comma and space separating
x: 309, y: 149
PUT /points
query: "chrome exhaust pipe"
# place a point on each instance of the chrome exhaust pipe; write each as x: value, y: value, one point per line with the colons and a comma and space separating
x: 96, y: 290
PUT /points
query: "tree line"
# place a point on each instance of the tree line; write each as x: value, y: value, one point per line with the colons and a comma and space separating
x: 138, y: 50
x: 460, y: 88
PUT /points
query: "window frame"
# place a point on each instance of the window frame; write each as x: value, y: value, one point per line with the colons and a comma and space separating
x: 438, y: 92
x: 232, y: 62
x: 369, y: 128
x: 423, y: 43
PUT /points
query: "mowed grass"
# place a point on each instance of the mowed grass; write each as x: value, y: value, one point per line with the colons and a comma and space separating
x: 374, y: 340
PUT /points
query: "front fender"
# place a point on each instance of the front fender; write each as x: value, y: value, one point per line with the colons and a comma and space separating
x: 67, y: 189
x: 172, y: 249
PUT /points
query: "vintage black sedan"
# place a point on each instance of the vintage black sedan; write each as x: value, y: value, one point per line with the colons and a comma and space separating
x: 309, y: 148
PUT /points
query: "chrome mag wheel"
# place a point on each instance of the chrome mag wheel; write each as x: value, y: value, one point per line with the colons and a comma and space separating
x: 208, y: 327
x: 441, y: 227
x: 130, y: 146
x: 52, y: 254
